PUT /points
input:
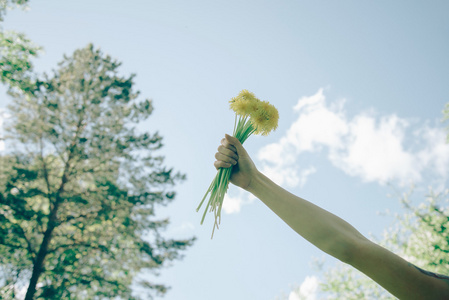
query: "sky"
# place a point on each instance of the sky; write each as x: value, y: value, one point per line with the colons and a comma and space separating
x: 360, y: 87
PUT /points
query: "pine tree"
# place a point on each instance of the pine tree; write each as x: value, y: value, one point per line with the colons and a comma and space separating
x: 78, y: 190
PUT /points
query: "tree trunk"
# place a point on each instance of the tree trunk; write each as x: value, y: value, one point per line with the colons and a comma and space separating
x: 52, y: 219
x: 43, y: 250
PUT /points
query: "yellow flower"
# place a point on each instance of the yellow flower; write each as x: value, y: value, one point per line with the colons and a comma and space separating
x: 265, y: 118
x: 252, y: 116
x: 241, y: 106
x: 245, y: 94
x: 244, y: 103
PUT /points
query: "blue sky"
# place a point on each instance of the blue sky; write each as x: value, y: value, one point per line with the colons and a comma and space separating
x: 359, y: 85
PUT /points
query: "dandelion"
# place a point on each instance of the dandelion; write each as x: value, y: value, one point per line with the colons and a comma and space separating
x: 265, y: 118
x: 245, y: 103
x: 252, y: 116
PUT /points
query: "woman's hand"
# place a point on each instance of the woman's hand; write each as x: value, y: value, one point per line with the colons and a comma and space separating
x: 231, y: 153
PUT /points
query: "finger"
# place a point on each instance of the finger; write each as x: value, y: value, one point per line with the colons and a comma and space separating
x: 224, y: 158
x: 235, y: 142
x: 228, y: 152
x: 221, y: 164
x: 227, y: 145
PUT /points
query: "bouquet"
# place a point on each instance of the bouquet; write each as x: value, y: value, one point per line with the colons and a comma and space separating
x: 251, y: 116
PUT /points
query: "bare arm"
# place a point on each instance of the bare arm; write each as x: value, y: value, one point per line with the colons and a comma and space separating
x: 329, y: 232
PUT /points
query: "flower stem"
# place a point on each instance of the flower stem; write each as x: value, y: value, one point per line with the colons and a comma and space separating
x: 243, y: 129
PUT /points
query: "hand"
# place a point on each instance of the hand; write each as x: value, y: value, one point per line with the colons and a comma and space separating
x: 231, y: 153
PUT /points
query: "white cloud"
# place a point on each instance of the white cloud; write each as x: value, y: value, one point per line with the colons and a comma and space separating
x: 289, y: 176
x: 307, y: 290
x: 374, y: 150
x: 371, y: 147
x: 368, y: 146
x: 233, y: 204
x: 317, y: 125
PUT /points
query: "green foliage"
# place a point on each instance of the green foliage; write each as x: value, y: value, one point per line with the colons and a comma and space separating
x: 8, y: 4
x: 446, y: 117
x: 79, y: 190
x: 345, y: 282
x: 421, y: 236
x: 16, y: 52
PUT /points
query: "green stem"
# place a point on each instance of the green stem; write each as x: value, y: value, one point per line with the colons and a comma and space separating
x: 243, y: 129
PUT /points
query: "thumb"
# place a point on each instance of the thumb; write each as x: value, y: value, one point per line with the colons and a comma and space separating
x: 236, y: 143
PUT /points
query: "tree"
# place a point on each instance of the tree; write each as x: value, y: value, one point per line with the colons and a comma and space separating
x: 16, y: 52
x: 78, y: 192
x: 7, y: 4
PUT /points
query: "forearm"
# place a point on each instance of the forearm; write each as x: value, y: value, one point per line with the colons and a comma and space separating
x: 320, y: 227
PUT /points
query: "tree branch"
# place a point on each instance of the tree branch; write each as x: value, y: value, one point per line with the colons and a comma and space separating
x: 44, y: 166
x: 52, y: 220
x: 28, y: 247
x: 86, y: 244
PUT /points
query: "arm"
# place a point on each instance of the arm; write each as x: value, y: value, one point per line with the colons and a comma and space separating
x: 329, y: 232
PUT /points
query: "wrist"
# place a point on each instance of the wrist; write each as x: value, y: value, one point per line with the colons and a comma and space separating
x: 255, y: 181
